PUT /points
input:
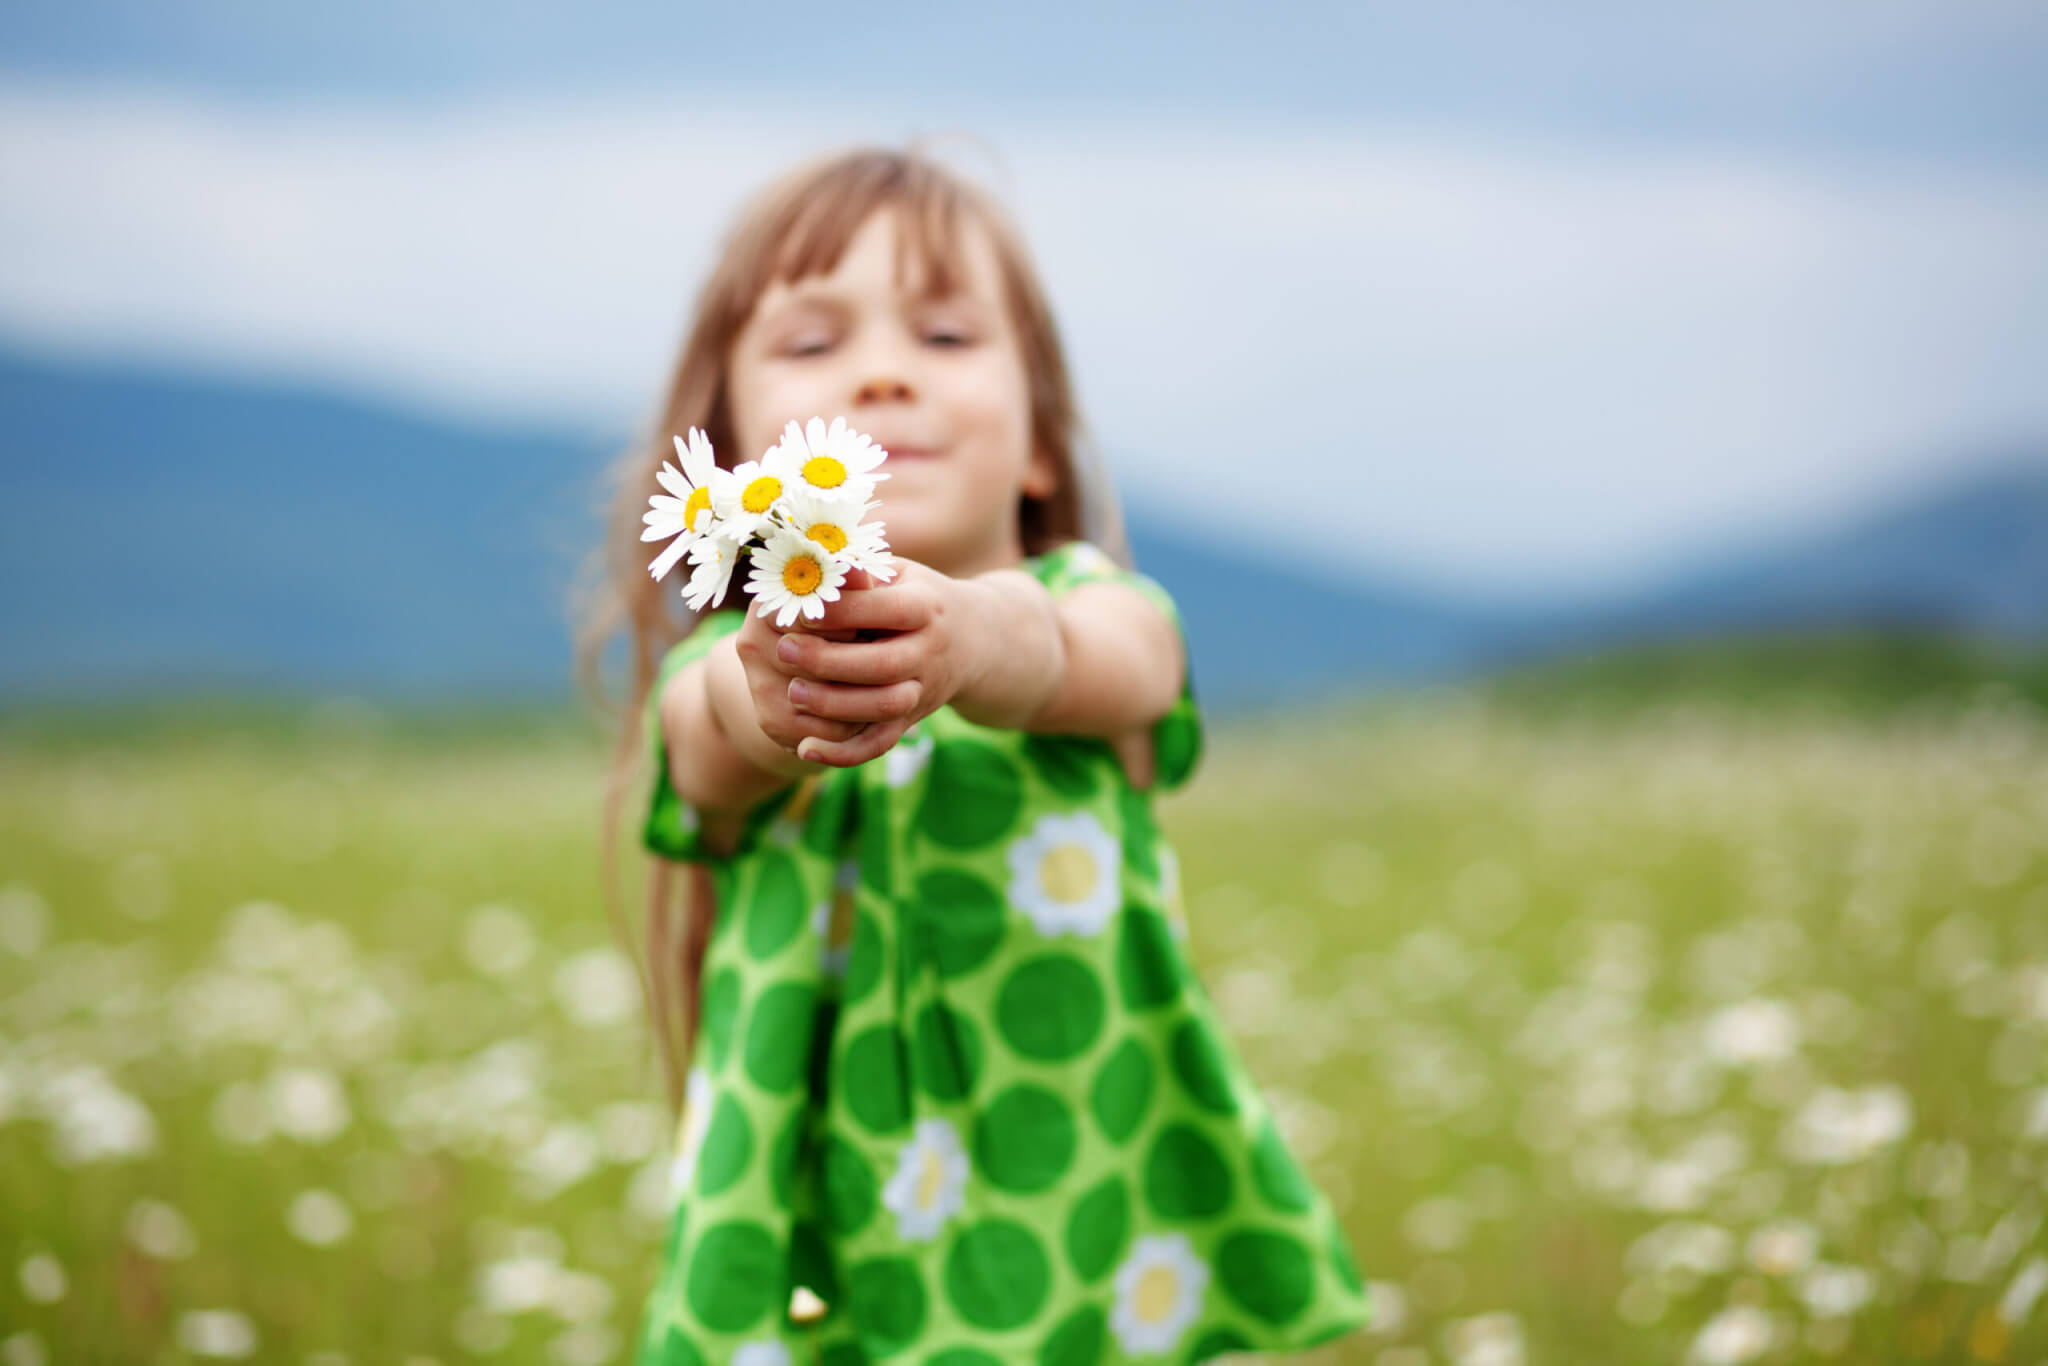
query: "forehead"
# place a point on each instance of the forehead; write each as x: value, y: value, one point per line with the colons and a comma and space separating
x: 894, y: 252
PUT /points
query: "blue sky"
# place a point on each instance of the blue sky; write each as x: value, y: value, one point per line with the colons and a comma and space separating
x: 1530, y: 303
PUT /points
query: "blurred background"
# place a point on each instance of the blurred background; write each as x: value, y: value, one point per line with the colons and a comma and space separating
x: 1602, y: 457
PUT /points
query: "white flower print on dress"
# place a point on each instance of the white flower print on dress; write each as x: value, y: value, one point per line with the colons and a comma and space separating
x: 931, y: 1174
x: 1064, y: 874
x: 1158, y: 1294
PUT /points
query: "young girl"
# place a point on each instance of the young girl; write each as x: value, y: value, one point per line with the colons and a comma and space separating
x: 953, y: 1094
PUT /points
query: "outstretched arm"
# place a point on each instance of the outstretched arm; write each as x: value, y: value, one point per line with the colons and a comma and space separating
x: 730, y: 731
x: 1099, y: 660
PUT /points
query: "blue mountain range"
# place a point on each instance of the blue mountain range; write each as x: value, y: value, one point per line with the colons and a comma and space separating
x: 165, y: 536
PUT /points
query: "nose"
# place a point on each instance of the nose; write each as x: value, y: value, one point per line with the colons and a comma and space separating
x: 883, y: 388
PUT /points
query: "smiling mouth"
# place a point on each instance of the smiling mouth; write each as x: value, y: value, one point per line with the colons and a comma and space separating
x: 909, y: 452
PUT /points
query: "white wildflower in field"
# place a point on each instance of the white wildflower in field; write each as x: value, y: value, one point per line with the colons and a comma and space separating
x: 2016, y: 1305
x: 93, y: 1120
x: 584, y: 1344
x: 1738, y: 1333
x: 224, y: 1333
x: 159, y: 1231
x: 23, y: 1349
x: 498, y: 940
x: 1784, y: 1247
x: 320, y: 1218
x: 597, y: 988
x: 308, y: 1104
x: 1833, y: 1291
x: 42, y: 1279
x: 1485, y: 1340
x: 566, y: 1154
x: 516, y: 1284
x: 1753, y: 1031
x: 579, y: 1296
x: 1838, y: 1126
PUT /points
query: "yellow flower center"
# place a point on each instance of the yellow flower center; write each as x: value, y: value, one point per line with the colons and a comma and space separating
x: 761, y: 494
x: 825, y: 534
x: 823, y: 472
x: 929, y: 1177
x: 1155, y: 1293
x: 700, y: 501
x: 802, y: 575
x: 1067, y: 872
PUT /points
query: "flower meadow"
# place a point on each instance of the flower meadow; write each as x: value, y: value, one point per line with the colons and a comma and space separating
x: 797, y: 515
x: 1693, y: 1034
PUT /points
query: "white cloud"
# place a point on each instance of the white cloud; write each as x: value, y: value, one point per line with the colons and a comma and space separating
x: 1501, y: 362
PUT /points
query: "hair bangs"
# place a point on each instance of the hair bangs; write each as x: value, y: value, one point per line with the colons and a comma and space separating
x: 819, y: 215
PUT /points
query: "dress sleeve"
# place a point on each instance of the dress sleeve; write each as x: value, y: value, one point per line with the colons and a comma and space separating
x: 1176, y: 736
x: 671, y: 829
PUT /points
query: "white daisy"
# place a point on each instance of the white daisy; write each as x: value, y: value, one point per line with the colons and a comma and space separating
x: 835, y: 523
x: 1158, y: 1293
x: 1064, y: 874
x: 745, y: 500
x: 714, y: 558
x: 766, y: 1352
x: 687, y: 514
x: 836, y: 462
x: 906, y: 759
x: 792, y: 576
x: 931, y: 1174
x: 690, y: 1137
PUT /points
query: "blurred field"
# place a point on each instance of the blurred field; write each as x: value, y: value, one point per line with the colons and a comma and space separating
x: 1624, y: 1025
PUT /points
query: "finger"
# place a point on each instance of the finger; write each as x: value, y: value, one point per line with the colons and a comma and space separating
x: 879, y: 609
x: 849, y: 702
x: 869, y: 662
x: 799, y: 728
x: 871, y: 742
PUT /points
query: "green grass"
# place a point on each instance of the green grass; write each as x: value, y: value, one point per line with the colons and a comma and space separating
x: 1496, y: 956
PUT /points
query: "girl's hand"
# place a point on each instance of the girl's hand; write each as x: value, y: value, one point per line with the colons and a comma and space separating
x: 768, y: 680
x: 928, y: 650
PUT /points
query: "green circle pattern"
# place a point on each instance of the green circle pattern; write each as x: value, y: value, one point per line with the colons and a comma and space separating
x: 1050, y: 1008
x: 1024, y: 1141
x: 997, y: 1275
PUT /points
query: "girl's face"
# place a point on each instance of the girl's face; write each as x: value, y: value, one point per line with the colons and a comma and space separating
x: 939, y: 383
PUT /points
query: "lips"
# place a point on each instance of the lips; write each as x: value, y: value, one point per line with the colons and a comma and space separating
x: 908, y: 450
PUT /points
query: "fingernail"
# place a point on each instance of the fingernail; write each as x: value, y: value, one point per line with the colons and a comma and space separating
x: 803, y: 750
x: 799, y: 693
x: 785, y: 650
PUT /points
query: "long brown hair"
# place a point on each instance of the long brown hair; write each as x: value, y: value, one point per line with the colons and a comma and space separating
x: 798, y: 226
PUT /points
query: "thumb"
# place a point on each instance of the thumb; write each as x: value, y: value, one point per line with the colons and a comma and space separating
x: 856, y: 577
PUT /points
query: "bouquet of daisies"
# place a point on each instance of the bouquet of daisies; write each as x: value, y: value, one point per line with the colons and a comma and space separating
x: 795, y: 515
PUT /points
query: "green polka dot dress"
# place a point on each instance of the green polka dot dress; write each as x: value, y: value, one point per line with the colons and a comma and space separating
x: 956, y: 1080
